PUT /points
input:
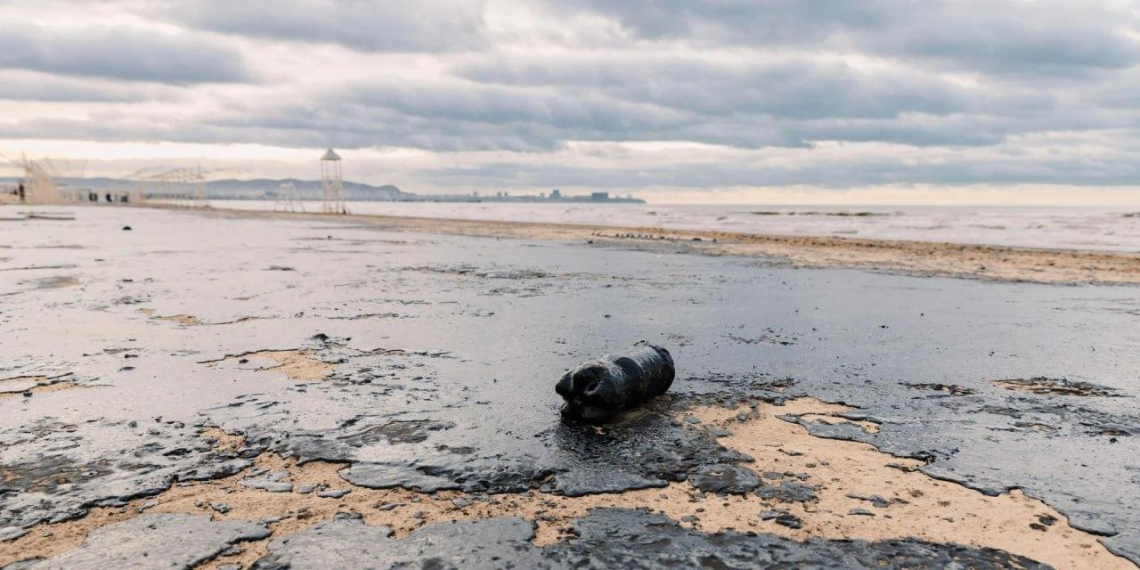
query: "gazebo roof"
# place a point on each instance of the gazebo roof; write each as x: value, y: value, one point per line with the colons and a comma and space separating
x: 330, y: 155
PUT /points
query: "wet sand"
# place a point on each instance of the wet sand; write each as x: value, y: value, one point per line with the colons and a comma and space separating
x: 991, y: 263
x: 290, y: 372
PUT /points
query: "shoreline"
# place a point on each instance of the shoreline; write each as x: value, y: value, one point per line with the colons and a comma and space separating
x: 927, y: 259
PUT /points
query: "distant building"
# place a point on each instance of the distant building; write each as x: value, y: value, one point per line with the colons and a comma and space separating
x: 555, y: 195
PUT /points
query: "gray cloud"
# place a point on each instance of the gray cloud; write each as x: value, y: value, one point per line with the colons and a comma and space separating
x: 1043, y: 36
x: 118, y: 52
x: 1019, y: 38
x: 534, y: 104
x: 19, y: 85
x: 392, y: 25
x: 521, y: 113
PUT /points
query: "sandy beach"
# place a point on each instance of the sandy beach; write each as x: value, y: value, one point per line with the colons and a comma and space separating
x: 381, y: 389
x: 985, y: 262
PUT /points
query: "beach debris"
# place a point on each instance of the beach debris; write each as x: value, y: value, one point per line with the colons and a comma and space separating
x: 273, y: 482
x: 1043, y: 522
x: 945, y: 389
x: 50, y: 216
x: 725, y: 479
x: 875, y: 500
x: 788, y: 492
x: 126, y: 228
x: 789, y: 520
x: 598, y: 390
x: 1042, y: 386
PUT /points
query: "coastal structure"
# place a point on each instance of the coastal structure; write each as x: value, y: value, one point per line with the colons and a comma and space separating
x: 287, y: 199
x: 37, y: 186
x: 183, y: 187
x: 555, y: 196
x: 332, y: 184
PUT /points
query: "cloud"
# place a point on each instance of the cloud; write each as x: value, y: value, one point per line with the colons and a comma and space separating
x: 121, y: 52
x: 996, y: 36
x: 525, y: 103
x: 1018, y: 38
x: 19, y: 85
x: 392, y: 25
x: 793, y: 85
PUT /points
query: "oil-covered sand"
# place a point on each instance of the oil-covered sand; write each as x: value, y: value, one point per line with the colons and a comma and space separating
x: 306, y: 393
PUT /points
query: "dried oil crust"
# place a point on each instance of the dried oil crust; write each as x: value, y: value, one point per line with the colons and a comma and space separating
x: 857, y: 492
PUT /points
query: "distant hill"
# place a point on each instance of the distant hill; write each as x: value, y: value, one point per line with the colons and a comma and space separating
x: 250, y: 189
x: 260, y: 188
x: 268, y: 189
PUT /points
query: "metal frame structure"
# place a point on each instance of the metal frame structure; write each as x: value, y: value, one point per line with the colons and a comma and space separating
x: 332, y: 184
x: 182, y: 187
x: 38, y: 180
x: 287, y: 199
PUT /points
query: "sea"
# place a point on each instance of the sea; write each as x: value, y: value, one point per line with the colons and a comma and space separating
x: 1078, y: 228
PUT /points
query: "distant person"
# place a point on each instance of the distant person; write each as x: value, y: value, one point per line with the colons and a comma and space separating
x: 108, y: 196
x: 21, y: 192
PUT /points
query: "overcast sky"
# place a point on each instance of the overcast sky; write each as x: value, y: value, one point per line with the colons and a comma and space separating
x: 1027, y: 101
